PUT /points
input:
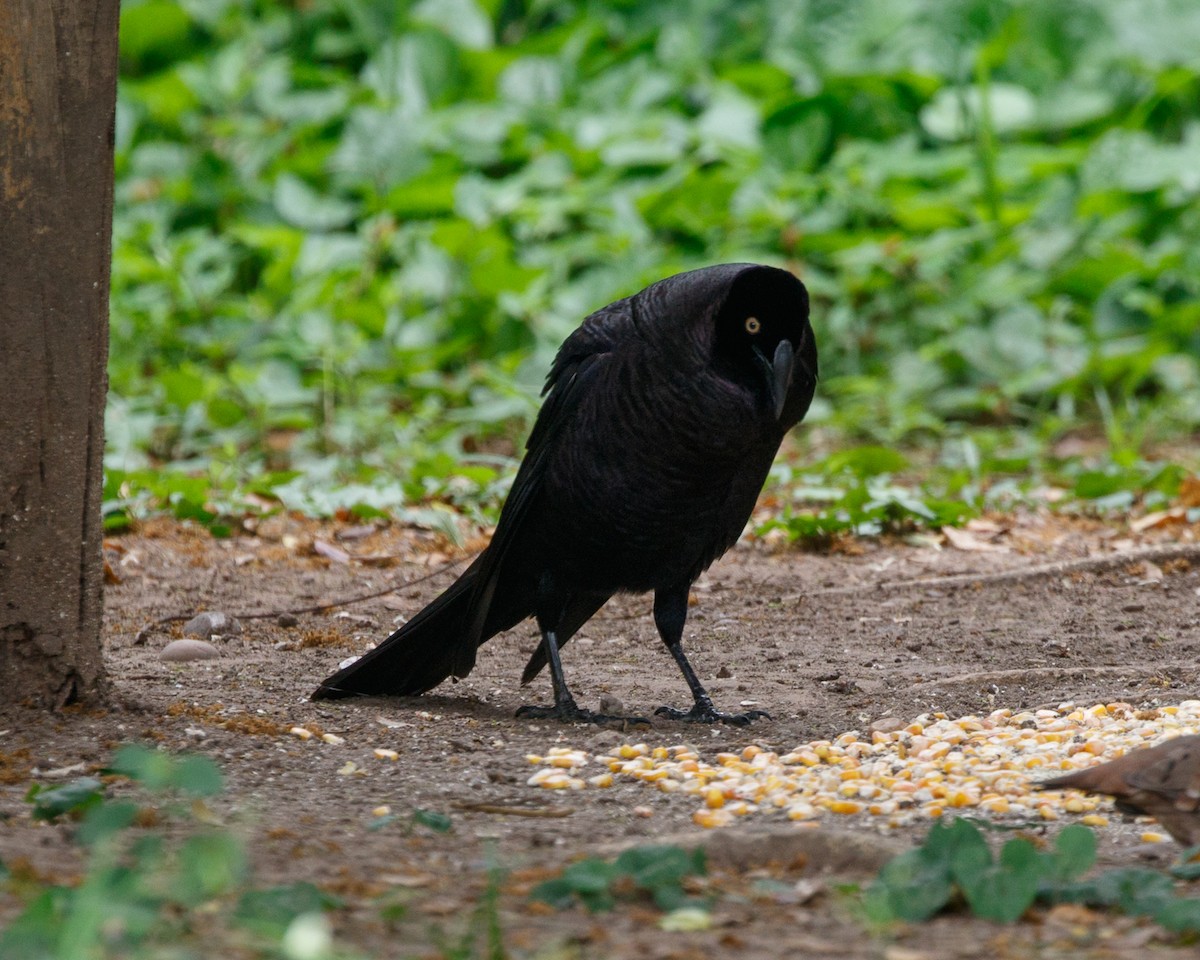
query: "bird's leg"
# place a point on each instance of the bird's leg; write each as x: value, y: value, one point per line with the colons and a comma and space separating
x: 551, y: 606
x: 670, y: 614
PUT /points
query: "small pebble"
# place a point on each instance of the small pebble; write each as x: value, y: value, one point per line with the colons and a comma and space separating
x: 611, y: 705
x: 180, y: 651
x: 287, y: 620
x: 210, y: 623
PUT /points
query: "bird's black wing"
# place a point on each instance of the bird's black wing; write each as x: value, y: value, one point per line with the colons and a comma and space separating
x: 576, y: 366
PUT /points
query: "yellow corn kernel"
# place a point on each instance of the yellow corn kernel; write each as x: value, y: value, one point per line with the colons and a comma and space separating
x: 382, y: 753
x: 601, y: 780
x: 1074, y: 805
x: 1094, y: 820
x: 660, y: 753
x: 1152, y: 836
x: 844, y: 806
x: 714, y: 798
x: 1047, y: 812
x: 711, y: 818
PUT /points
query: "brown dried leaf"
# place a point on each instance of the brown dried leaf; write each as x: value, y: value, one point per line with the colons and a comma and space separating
x: 1189, y: 491
x: 110, y: 575
x: 355, y: 533
x: 965, y: 540
x: 329, y: 551
x: 1151, y: 572
x: 1160, y: 518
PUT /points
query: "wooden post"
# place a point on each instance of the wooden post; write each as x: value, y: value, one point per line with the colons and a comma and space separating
x: 58, y: 74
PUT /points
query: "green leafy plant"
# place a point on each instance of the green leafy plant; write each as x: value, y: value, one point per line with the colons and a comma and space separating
x: 656, y: 872
x: 418, y: 817
x: 955, y: 865
x: 346, y: 241
x: 145, y: 887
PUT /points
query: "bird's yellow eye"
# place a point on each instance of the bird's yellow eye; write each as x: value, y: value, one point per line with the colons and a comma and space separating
x: 753, y: 325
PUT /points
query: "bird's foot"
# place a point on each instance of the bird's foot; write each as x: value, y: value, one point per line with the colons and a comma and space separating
x: 570, y: 712
x: 705, y: 712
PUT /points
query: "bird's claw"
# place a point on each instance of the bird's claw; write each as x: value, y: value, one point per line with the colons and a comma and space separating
x: 707, y: 713
x: 571, y: 713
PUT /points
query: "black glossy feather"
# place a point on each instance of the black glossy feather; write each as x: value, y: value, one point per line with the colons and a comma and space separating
x: 656, y: 434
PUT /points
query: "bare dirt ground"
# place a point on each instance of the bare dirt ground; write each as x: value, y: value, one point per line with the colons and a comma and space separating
x: 826, y: 642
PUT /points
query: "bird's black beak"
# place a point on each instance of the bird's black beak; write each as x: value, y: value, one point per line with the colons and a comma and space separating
x: 778, y: 372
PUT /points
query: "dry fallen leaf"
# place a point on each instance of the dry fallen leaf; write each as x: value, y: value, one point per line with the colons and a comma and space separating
x: 329, y: 551
x: 985, y: 526
x: 1151, y: 573
x: 355, y: 533
x: 110, y: 575
x: 965, y: 540
x: 1160, y: 518
x: 1189, y: 491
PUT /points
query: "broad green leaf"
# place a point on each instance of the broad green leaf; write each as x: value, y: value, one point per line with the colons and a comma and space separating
x: 78, y: 796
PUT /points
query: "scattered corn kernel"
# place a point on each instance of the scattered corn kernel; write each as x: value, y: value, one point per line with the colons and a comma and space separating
x: 933, y: 766
x: 712, y: 818
x: 301, y: 732
x: 844, y: 806
x: 332, y: 738
x: 383, y: 753
x: 1152, y: 836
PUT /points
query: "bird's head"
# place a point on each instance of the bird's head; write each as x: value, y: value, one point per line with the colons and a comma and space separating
x: 763, y: 341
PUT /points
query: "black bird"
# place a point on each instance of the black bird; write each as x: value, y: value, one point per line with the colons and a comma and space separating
x: 662, y: 415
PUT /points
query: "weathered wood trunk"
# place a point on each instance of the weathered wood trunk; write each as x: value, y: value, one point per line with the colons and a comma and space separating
x: 58, y: 73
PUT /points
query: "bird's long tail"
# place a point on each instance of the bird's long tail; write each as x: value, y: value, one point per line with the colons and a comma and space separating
x: 435, y: 644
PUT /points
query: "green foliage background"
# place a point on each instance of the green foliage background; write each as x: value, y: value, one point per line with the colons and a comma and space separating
x: 350, y: 233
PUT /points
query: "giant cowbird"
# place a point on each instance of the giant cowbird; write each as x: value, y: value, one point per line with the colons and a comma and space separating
x: 1163, y: 781
x: 662, y: 414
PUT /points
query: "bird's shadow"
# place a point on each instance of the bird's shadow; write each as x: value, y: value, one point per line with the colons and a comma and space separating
x: 470, y: 708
